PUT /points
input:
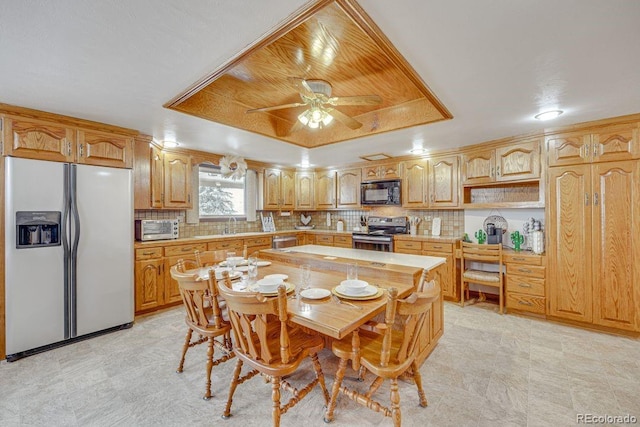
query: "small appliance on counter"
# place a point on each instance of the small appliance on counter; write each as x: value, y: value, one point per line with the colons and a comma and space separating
x: 156, y: 229
x: 494, y: 234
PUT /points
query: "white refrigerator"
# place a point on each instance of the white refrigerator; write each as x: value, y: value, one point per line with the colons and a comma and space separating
x: 68, y: 281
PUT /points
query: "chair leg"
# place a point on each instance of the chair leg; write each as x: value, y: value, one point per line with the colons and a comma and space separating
x: 418, y: 379
x: 207, y: 394
x: 185, y: 347
x: 462, y: 295
x: 320, y: 375
x: 232, y: 388
x: 335, y: 389
x: 275, y: 396
x: 501, y: 300
x: 395, y: 403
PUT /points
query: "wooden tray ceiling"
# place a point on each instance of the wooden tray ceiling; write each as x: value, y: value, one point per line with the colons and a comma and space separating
x: 330, y: 40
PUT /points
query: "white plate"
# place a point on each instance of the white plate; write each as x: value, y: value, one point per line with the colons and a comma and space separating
x: 263, y: 263
x: 256, y: 288
x: 367, y: 291
x: 240, y: 261
x: 315, y: 293
x: 242, y: 268
x: 354, y: 285
x: 233, y: 275
x: 277, y: 276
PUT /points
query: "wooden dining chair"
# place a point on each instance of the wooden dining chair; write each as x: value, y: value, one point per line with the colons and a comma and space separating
x: 270, y: 346
x: 484, y: 253
x: 209, y: 258
x: 388, y: 352
x: 204, y: 317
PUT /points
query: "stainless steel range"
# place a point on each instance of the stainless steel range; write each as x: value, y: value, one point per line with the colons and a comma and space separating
x: 379, y: 235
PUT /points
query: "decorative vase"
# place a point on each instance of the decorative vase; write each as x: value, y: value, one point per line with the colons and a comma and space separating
x: 481, y: 236
x: 517, y: 239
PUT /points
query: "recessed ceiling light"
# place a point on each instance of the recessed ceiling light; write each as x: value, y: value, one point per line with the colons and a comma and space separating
x: 169, y: 144
x: 418, y: 151
x: 373, y: 157
x: 548, y: 115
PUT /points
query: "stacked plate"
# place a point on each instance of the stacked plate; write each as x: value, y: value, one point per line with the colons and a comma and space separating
x: 232, y: 274
x: 360, y: 291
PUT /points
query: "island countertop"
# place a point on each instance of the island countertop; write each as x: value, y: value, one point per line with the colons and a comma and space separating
x: 416, y: 261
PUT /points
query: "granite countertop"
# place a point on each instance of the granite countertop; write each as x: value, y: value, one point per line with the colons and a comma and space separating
x: 428, y: 238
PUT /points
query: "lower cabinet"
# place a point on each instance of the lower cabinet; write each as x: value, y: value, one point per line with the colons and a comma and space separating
x: 448, y: 280
x: 172, y: 255
x: 149, y: 279
x: 342, y: 241
x: 525, y: 282
x: 324, y: 239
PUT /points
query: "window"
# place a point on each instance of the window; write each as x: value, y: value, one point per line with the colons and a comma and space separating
x: 220, y: 196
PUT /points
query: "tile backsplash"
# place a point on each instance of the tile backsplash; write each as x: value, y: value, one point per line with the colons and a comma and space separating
x: 452, y: 220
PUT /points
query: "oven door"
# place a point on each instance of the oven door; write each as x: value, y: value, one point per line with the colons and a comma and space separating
x: 372, y: 243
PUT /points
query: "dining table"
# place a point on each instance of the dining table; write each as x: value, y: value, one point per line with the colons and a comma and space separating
x: 333, y: 316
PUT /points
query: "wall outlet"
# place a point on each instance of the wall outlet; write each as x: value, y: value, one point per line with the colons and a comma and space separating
x: 427, y: 218
x: 180, y: 218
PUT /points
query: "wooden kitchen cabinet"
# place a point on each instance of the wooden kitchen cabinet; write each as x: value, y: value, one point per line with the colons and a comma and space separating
x: 172, y: 255
x: 149, y: 279
x: 323, y: 239
x: 610, y: 143
x: 304, y: 191
x: 161, y: 179
x: 525, y: 282
x: 593, y: 249
x: 104, y: 149
x: 506, y: 163
x: 415, y: 180
x: 348, y: 188
x: 381, y: 172
x: 45, y: 140
x: 255, y: 244
x: 342, y: 241
x: 443, y: 182
x: 279, y: 189
x: 325, y: 189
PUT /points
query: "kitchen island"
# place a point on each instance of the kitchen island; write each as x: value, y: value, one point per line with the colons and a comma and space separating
x: 374, y: 266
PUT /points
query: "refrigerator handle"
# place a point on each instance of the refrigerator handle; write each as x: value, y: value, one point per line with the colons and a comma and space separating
x: 64, y: 235
x: 74, y: 248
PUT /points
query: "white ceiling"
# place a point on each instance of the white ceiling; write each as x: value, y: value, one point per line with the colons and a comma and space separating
x: 493, y: 63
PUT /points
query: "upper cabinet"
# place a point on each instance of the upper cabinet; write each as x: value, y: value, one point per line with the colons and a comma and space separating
x: 279, y: 189
x: 48, y: 140
x: 161, y: 179
x: 513, y: 162
x: 348, y: 188
x: 381, y: 172
x: 431, y: 183
x: 105, y: 149
x: 304, y: 192
x: 610, y: 143
x: 325, y: 186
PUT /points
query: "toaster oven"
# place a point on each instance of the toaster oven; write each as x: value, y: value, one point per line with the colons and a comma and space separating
x: 156, y: 229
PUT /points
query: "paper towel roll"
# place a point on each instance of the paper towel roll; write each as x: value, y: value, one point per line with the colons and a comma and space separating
x: 537, y: 242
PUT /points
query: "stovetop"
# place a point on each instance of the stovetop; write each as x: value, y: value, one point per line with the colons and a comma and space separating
x: 381, y: 226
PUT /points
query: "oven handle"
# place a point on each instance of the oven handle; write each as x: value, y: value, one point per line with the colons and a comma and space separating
x: 371, y: 240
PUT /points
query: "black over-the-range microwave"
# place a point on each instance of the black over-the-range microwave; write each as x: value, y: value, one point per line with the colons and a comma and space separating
x: 380, y: 193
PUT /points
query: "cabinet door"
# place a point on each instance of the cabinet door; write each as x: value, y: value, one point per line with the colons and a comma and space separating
x: 349, y: 188
x: 616, y: 143
x: 287, y: 189
x: 171, y: 288
x: 414, y: 183
x: 157, y: 177
x: 616, y: 253
x: 105, y: 149
x: 390, y: 171
x: 569, y: 228
x: 370, y: 173
x: 304, y: 190
x: 149, y: 284
x: 567, y: 149
x: 271, y: 188
x: 325, y: 184
x: 177, y: 181
x: 443, y: 181
x: 34, y: 139
x: 521, y: 161
x: 478, y: 167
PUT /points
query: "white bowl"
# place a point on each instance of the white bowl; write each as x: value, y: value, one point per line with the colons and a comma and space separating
x: 354, y: 285
x: 269, y: 284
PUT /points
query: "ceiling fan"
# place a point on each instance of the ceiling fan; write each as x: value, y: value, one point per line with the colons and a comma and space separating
x: 320, y: 112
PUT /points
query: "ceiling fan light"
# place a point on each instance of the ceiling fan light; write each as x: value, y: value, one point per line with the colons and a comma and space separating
x: 313, y: 125
x: 328, y: 118
x: 317, y: 115
x: 303, y: 118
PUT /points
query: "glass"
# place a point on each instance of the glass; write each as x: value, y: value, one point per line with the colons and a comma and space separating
x: 252, y: 269
x: 352, y: 272
x: 305, y: 273
x: 231, y: 260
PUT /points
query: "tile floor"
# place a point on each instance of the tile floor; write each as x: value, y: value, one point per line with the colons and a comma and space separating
x: 487, y: 370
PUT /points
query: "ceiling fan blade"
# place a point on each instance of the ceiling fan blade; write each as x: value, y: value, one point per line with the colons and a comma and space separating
x: 295, y: 128
x: 277, y: 107
x: 355, y: 100
x: 346, y: 120
x: 303, y: 87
